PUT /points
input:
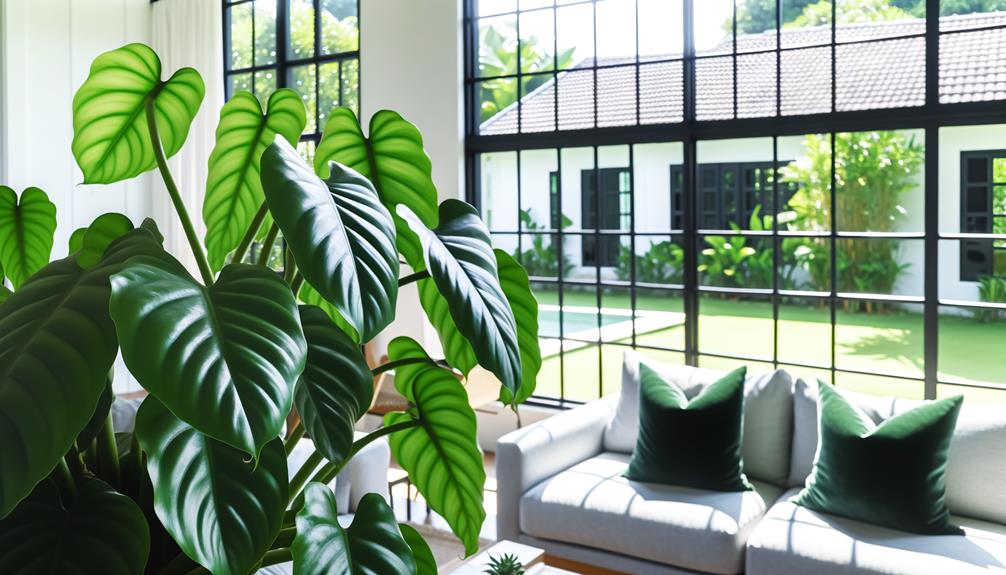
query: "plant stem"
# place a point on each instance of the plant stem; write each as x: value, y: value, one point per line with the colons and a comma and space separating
x: 270, y: 239
x: 74, y: 462
x: 285, y: 537
x: 413, y: 277
x: 289, y: 267
x: 398, y: 363
x: 295, y: 436
x: 298, y: 280
x: 249, y: 237
x: 176, y: 198
x: 276, y: 556
x: 107, y: 454
x: 64, y: 480
x: 300, y: 478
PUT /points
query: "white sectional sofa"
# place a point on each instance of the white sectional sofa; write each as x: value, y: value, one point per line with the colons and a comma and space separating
x: 560, y: 487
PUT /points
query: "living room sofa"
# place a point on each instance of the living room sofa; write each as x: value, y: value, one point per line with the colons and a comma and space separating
x: 560, y: 487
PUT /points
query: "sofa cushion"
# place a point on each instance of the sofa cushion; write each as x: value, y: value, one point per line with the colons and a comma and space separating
x: 591, y: 504
x: 768, y: 414
x: 793, y: 539
x: 976, y: 473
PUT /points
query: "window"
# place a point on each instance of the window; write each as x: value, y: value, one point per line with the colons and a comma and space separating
x: 983, y: 211
x: 648, y: 133
x: 311, y: 46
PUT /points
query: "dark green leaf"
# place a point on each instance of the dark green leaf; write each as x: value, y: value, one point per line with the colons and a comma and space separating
x: 515, y: 284
x: 341, y: 235
x: 426, y: 564
x: 441, y: 455
x: 310, y: 296
x: 111, y: 141
x: 26, y: 229
x: 233, y: 186
x: 461, y: 262
x: 99, y: 531
x: 373, y: 543
x: 336, y: 387
x: 104, y: 230
x: 223, y: 511
x: 224, y: 359
x: 392, y: 158
x: 99, y: 416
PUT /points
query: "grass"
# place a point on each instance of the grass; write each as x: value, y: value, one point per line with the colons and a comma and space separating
x: 884, y: 343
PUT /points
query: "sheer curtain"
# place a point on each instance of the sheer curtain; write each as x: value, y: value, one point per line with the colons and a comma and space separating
x: 189, y: 33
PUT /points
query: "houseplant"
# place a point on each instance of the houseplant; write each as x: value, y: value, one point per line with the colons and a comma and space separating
x: 204, y: 486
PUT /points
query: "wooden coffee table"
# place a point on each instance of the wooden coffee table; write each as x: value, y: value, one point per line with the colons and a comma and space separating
x: 532, y: 558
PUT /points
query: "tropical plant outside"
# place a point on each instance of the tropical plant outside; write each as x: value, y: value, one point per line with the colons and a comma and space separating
x: 227, y: 356
x: 542, y: 259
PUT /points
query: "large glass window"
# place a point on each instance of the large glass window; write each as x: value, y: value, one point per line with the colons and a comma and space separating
x: 729, y: 182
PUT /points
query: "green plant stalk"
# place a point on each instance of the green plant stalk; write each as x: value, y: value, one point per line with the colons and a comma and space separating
x: 295, y: 435
x: 329, y: 471
x: 398, y: 363
x: 176, y: 198
x: 300, y: 478
x: 298, y: 281
x: 270, y: 239
x: 289, y: 267
x: 276, y: 556
x: 74, y: 462
x: 64, y: 481
x: 413, y: 278
x: 249, y: 237
x: 107, y: 454
x: 285, y: 537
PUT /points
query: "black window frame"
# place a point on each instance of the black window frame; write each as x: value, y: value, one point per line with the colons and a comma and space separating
x: 978, y: 255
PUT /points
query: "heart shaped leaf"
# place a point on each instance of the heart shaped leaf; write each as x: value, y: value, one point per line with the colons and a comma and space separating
x: 372, y: 544
x: 60, y: 316
x: 111, y: 141
x: 515, y: 284
x: 104, y: 230
x: 99, y: 531
x: 426, y: 564
x: 336, y: 387
x: 392, y: 158
x: 461, y: 262
x: 440, y: 453
x: 233, y: 185
x: 224, y: 359
x: 341, y: 235
x: 223, y: 511
x: 26, y: 229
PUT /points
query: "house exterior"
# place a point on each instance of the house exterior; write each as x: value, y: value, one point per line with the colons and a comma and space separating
x: 734, y: 176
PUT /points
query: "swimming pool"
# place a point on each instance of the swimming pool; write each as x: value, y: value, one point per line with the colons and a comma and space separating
x: 573, y: 321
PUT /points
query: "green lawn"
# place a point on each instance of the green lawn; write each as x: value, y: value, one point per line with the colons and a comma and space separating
x: 889, y: 342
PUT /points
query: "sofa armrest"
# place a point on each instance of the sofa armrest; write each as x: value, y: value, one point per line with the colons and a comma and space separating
x: 367, y: 472
x: 530, y: 455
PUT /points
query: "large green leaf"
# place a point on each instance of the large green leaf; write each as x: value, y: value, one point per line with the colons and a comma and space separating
x: 26, y: 229
x: 57, y: 345
x: 515, y: 284
x: 336, y: 387
x: 440, y: 454
x: 393, y: 158
x: 104, y: 230
x: 426, y: 563
x: 457, y: 351
x: 341, y: 235
x: 310, y: 296
x: 372, y: 545
x: 99, y: 531
x: 461, y: 262
x: 4, y: 292
x: 223, y: 510
x: 111, y: 140
x: 224, y: 359
x: 233, y: 185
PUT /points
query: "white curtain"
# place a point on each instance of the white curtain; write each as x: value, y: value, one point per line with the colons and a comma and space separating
x: 189, y: 33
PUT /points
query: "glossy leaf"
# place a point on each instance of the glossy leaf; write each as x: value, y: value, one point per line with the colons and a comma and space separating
x: 76, y: 240
x: 99, y: 531
x: 461, y: 262
x: 234, y: 185
x: 111, y: 141
x: 336, y: 387
x: 341, y: 235
x: 104, y: 230
x: 26, y: 229
x: 224, y: 359
x: 426, y: 564
x: 310, y: 296
x: 4, y: 292
x: 372, y: 544
x: 393, y: 158
x: 517, y: 288
x: 441, y: 454
x: 222, y: 510
x: 99, y: 416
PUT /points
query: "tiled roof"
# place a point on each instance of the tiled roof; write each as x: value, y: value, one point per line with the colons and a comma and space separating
x: 868, y: 75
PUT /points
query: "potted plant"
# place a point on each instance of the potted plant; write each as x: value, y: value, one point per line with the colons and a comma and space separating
x: 227, y: 355
x: 504, y: 565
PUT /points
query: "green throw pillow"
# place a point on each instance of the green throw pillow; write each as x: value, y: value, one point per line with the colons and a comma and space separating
x: 892, y: 474
x: 693, y: 443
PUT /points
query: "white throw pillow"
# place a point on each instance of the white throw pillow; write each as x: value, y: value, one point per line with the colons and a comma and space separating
x: 768, y: 413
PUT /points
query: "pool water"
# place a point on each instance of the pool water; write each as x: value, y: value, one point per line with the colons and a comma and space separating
x: 574, y: 321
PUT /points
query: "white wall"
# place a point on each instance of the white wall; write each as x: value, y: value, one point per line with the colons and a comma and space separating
x: 47, y: 47
x: 410, y: 62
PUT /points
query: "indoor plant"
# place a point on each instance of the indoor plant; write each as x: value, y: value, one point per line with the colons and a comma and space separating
x: 226, y: 358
